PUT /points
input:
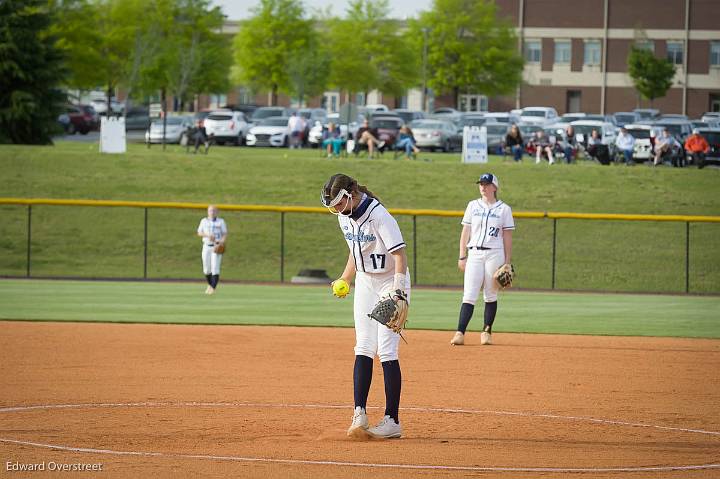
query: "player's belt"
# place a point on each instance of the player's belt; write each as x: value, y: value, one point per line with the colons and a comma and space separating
x: 210, y: 244
x: 478, y: 247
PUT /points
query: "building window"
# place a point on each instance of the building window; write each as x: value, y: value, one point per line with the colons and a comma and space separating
x: 473, y: 103
x: 592, y: 52
x: 645, y: 45
x: 675, y: 53
x: 563, y: 51
x: 533, y: 51
x: 715, y: 54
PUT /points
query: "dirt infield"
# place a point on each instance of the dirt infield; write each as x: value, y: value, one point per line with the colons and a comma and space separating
x: 268, y: 402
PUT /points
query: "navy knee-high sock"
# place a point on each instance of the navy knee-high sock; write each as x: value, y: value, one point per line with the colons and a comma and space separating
x: 209, y: 279
x: 215, y: 280
x: 393, y: 385
x: 362, y: 377
x: 466, y: 312
x: 490, y: 311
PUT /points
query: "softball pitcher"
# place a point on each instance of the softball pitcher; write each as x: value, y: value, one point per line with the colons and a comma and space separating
x: 485, y: 245
x: 378, y: 262
x: 213, y: 232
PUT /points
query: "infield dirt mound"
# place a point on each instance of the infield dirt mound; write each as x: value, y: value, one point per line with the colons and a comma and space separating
x: 221, y: 401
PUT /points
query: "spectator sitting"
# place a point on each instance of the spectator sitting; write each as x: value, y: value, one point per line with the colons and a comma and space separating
x: 597, y: 149
x: 369, y: 137
x: 514, y: 141
x: 406, y: 141
x: 697, y: 146
x: 296, y: 128
x: 625, y: 142
x: 200, y: 136
x: 332, y: 140
x: 665, y: 145
x: 543, y: 146
x: 570, y: 144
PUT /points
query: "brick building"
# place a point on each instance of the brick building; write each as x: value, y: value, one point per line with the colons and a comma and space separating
x: 576, y: 58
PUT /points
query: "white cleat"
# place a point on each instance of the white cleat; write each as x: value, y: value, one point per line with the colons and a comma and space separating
x: 458, y: 339
x: 485, y: 338
x: 207, y: 290
x: 211, y: 290
x: 359, y: 426
x: 387, y: 429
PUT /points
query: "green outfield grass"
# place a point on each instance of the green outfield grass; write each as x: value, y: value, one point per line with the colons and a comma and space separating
x: 591, y: 255
x: 536, y: 312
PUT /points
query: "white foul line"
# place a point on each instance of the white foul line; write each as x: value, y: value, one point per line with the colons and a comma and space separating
x: 352, y: 464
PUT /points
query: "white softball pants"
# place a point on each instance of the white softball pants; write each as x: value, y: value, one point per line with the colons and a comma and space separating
x: 210, y: 260
x: 371, y: 337
x: 479, y: 269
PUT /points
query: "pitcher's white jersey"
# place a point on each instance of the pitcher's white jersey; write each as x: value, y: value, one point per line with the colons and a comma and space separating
x: 372, y: 234
x: 487, y: 223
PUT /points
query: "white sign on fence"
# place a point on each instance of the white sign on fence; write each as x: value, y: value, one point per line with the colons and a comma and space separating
x: 112, y: 135
x: 474, y: 149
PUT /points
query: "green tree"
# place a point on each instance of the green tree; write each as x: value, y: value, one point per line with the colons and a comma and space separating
x: 308, y: 68
x: 469, y: 48
x: 30, y: 72
x: 369, y: 52
x: 266, y: 42
x: 651, y: 76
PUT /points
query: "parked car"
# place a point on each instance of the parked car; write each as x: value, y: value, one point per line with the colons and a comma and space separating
x: 496, y: 136
x: 711, y: 116
x: 647, y: 113
x: 699, y: 124
x: 137, y: 118
x: 202, y: 115
x: 373, y: 108
x: 272, y: 131
x: 712, y: 136
x: 100, y: 106
x: 472, y: 120
x: 247, y: 110
x: 501, y: 117
x: 571, y: 117
x: 387, y: 127
x: 583, y: 130
x: 643, y: 147
x: 78, y: 119
x: 409, y: 116
x: 311, y: 115
x: 268, y: 111
x: 446, y: 113
x: 623, y: 118
x: 539, y: 114
x: 679, y: 128
x: 435, y: 134
x: 227, y: 126
x: 673, y: 116
x: 175, y: 129
x: 527, y: 131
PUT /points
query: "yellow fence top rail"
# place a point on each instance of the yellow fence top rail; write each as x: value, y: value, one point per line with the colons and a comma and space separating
x: 312, y: 209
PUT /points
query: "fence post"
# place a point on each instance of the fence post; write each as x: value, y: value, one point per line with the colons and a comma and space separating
x: 282, y: 246
x: 145, y: 245
x: 29, y: 236
x: 553, y: 251
x: 687, y: 257
x: 415, y: 250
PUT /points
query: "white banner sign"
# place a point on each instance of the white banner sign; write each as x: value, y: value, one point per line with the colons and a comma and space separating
x: 474, y: 148
x: 112, y: 135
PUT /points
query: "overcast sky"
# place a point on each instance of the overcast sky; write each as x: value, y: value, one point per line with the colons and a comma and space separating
x: 239, y: 9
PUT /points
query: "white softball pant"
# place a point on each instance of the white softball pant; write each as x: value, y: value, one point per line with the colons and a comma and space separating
x: 479, y: 269
x: 210, y: 260
x: 371, y: 337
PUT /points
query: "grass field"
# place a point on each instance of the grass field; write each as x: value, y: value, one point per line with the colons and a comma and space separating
x: 599, y: 255
x: 564, y: 313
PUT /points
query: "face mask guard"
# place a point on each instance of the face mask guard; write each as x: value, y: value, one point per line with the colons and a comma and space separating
x: 331, y: 205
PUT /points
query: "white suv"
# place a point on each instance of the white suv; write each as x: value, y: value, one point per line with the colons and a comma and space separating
x: 539, y: 115
x: 226, y: 126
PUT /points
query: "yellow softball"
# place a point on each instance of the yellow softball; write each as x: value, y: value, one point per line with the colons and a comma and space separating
x: 340, y: 288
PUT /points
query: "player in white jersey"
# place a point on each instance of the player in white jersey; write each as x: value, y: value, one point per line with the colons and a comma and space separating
x: 213, y: 232
x: 378, y: 262
x: 485, y: 245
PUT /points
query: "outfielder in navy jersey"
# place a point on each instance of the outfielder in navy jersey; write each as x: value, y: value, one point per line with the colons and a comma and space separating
x: 485, y: 245
x: 378, y: 262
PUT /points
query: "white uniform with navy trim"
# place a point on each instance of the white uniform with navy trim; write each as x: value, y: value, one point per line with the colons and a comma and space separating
x: 372, y: 235
x: 486, y: 251
x: 211, y: 261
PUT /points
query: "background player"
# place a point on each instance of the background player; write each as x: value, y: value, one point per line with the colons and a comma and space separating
x: 378, y: 262
x: 213, y: 231
x: 485, y: 245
